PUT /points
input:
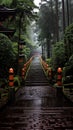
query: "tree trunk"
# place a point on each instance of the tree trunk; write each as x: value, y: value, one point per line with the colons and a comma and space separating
x: 63, y: 12
x: 67, y: 3
x: 48, y: 48
x: 57, y: 21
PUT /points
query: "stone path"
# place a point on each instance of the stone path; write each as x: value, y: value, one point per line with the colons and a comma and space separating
x: 36, y: 106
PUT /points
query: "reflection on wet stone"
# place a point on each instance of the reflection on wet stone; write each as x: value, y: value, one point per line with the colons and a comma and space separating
x: 36, y: 106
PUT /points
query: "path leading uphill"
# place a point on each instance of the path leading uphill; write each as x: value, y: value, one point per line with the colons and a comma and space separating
x: 36, y: 106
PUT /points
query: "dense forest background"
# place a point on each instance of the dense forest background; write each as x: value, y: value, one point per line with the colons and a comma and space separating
x: 55, y: 29
x: 19, y: 45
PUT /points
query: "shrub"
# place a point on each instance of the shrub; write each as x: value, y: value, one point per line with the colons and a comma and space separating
x: 16, y: 81
x: 68, y: 71
x: 7, y: 55
x: 58, y: 55
x: 69, y: 40
x: 48, y: 61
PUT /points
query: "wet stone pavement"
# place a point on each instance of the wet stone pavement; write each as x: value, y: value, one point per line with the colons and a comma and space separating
x: 36, y: 106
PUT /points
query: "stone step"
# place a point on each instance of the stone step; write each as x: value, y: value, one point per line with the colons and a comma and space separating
x: 36, y: 119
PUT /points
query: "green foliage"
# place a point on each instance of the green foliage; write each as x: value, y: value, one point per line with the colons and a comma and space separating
x: 7, y: 55
x: 69, y: 33
x: 47, y: 26
x: 68, y: 71
x: 24, y: 7
x: 69, y: 40
x: 15, y: 47
x: 46, y: 20
x: 16, y: 81
x: 6, y: 2
x: 58, y: 55
x: 3, y: 82
x: 48, y: 61
x: 26, y: 52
